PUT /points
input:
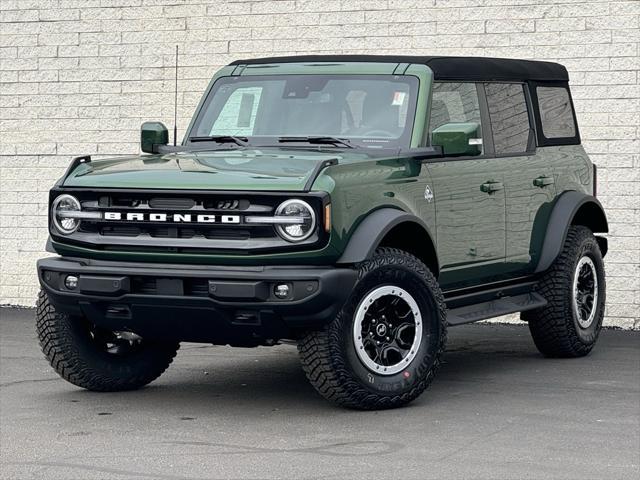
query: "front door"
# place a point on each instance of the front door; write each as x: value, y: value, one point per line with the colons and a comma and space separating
x: 469, y: 195
x: 470, y: 220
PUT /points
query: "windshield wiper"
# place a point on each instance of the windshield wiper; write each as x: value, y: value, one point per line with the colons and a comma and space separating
x: 342, y: 142
x: 241, y: 141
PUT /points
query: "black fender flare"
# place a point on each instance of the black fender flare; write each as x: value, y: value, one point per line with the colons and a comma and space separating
x: 370, y: 232
x: 571, y: 208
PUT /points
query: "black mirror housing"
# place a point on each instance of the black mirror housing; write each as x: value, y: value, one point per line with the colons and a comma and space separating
x: 153, y: 135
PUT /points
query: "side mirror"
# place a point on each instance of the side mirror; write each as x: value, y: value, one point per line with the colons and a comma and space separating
x: 458, y: 138
x: 152, y: 135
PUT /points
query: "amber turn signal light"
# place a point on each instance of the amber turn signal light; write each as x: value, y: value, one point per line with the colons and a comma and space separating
x: 327, y: 217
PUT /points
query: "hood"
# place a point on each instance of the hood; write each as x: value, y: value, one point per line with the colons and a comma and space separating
x: 247, y: 169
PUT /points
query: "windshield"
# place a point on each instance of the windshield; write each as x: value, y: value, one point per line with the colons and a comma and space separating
x: 374, y: 111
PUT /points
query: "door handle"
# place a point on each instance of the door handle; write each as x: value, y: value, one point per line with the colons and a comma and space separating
x: 490, y: 187
x: 543, y: 181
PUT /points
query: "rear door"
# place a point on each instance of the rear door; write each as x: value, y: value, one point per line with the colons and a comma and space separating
x: 528, y: 175
x: 469, y: 194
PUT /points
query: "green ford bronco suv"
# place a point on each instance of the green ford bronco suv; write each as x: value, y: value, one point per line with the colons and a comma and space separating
x: 356, y: 205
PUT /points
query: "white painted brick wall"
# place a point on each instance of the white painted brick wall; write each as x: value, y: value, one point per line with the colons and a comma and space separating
x: 80, y: 76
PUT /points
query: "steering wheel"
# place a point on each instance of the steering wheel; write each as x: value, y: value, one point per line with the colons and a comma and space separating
x: 378, y: 133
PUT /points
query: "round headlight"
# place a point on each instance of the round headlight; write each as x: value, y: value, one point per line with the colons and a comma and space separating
x: 300, y: 229
x: 61, y: 205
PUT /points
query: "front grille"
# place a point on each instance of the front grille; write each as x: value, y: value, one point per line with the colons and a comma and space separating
x: 183, y: 205
x: 172, y: 203
x: 170, y: 221
x: 120, y: 231
x: 179, y: 232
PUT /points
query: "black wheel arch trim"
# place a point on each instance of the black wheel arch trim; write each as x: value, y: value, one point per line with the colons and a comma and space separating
x: 565, y: 211
x: 371, y: 231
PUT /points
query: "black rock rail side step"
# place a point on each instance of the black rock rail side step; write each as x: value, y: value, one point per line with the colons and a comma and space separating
x: 495, y: 308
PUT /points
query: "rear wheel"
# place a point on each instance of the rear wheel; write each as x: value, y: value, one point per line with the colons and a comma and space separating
x: 574, y: 287
x: 98, y: 359
x: 385, y: 346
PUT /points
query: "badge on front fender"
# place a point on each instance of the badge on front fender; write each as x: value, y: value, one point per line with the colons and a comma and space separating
x: 428, y: 194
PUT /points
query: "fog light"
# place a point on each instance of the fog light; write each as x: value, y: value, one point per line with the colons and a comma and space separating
x: 282, y: 290
x: 71, y: 282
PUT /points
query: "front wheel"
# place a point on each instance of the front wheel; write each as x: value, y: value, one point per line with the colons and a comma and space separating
x: 385, y: 346
x: 98, y: 359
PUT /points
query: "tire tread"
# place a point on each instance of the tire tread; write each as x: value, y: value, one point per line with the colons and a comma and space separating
x: 56, y: 339
x: 552, y: 326
x: 326, y: 369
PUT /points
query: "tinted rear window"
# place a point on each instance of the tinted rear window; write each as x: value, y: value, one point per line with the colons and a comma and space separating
x: 556, y: 114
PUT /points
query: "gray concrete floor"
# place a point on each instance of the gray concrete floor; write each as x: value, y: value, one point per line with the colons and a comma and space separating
x: 497, y: 410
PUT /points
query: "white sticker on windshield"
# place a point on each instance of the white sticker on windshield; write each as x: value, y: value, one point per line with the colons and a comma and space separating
x: 398, y: 98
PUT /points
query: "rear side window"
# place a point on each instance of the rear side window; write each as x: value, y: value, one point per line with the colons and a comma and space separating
x: 556, y: 114
x: 509, y: 117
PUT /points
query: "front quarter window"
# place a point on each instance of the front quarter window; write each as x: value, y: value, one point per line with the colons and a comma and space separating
x: 375, y: 111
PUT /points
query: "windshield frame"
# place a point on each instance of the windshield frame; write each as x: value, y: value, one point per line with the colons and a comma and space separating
x: 370, y: 144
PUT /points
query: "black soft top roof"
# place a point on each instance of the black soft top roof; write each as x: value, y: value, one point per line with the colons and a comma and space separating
x: 445, y: 68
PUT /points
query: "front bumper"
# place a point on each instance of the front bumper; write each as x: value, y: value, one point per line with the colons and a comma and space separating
x: 235, y: 305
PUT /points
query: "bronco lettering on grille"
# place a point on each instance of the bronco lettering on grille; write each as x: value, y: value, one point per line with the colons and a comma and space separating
x: 170, y: 217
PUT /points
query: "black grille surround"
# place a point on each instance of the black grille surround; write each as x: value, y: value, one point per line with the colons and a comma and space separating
x: 170, y: 236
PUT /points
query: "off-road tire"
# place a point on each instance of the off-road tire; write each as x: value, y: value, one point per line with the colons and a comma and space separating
x: 328, y: 356
x: 555, y: 328
x: 68, y: 347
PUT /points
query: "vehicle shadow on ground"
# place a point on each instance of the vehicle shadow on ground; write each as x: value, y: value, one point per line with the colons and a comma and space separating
x: 271, y: 379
